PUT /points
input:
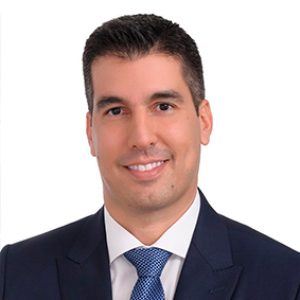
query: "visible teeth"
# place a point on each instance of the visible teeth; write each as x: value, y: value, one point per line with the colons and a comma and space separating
x: 147, y: 167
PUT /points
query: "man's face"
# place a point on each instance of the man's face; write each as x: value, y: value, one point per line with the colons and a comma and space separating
x: 145, y: 133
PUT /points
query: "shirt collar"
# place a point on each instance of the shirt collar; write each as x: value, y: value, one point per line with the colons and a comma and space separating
x: 176, y: 239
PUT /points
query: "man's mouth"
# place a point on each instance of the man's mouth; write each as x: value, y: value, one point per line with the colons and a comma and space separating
x: 146, y: 167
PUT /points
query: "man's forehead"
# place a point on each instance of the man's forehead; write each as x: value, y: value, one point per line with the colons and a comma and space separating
x: 138, y: 79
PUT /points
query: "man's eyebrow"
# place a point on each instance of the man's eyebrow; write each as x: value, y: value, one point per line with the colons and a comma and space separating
x: 108, y: 100
x: 105, y: 101
x: 167, y: 94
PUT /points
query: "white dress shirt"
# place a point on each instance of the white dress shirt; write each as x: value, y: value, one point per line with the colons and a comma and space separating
x: 176, y: 240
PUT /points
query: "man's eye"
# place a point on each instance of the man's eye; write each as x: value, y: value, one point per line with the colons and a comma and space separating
x: 115, y: 111
x: 164, y: 106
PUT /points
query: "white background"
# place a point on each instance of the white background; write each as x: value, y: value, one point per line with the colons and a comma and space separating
x: 251, y: 55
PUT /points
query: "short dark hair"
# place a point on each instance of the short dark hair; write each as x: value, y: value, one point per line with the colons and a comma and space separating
x: 138, y: 35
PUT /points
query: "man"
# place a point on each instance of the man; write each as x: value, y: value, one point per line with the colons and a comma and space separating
x: 156, y: 237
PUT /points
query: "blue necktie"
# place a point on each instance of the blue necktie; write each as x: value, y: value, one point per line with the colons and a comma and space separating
x: 149, y: 263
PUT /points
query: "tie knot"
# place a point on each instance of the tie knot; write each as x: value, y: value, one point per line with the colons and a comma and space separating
x: 148, y: 261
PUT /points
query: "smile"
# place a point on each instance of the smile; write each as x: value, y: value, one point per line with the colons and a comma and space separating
x: 145, y: 167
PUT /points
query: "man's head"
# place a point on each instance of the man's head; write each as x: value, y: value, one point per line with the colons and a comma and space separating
x: 142, y: 124
x: 138, y: 35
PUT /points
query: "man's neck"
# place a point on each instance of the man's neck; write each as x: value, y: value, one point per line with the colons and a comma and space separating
x: 149, y: 226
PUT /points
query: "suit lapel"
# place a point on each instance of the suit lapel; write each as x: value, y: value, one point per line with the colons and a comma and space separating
x: 84, y: 273
x: 208, y: 271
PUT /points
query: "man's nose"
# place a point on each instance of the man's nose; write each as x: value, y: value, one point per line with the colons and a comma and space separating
x: 142, y: 132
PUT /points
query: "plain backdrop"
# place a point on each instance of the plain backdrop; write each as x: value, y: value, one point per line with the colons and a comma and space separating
x: 250, y: 171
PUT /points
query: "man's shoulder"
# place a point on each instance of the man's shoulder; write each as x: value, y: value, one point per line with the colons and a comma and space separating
x: 52, y: 243
x: 258, y: 250
x: 31, y: 266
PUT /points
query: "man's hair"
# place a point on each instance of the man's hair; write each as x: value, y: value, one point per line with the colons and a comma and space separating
x: 135, y: 36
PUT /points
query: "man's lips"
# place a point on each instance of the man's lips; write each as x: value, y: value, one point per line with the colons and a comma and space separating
x: 143, y: 167
x: 147, y: 170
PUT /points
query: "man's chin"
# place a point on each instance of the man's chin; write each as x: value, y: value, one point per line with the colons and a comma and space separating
x: 150, y: 198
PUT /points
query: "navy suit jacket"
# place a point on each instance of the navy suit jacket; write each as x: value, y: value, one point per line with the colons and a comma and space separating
x: 226, y: 260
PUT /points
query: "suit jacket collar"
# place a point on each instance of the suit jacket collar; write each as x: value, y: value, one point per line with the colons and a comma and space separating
x: 208, y: 271
x: 84, y: 272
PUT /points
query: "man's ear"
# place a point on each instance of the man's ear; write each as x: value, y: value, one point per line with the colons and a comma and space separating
x: 206, y: 121
x: 89, y: 133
